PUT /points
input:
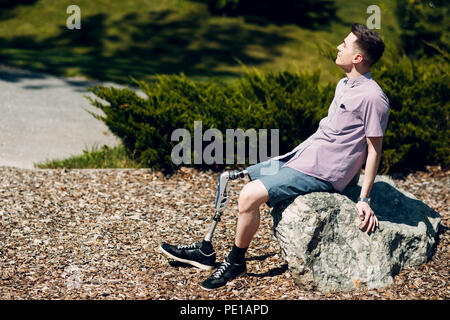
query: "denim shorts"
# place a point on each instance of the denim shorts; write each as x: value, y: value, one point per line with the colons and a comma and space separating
x: 283, y: 183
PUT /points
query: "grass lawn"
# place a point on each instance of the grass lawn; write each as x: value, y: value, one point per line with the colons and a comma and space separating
x: 96, y: 158
x: 141, y: 38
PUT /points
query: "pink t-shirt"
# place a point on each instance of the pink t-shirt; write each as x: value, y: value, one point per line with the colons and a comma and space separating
x: 338, y: 149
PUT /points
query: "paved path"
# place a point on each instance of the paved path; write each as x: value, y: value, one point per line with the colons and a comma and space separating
x: 42, y: 117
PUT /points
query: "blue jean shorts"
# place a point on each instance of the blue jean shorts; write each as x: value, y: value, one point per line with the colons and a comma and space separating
x: 283, y: 183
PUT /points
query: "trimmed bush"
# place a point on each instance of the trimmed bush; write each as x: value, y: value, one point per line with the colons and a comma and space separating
x: 418, y: 92
x: 294, y: 103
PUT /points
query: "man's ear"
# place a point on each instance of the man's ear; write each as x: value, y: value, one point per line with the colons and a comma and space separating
x: 358, y: 58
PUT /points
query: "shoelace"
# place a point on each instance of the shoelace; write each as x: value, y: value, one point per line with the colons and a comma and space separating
x: 223, y: 267
x: 189, y: 246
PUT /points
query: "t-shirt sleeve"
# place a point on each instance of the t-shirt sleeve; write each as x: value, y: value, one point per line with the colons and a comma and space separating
x: 376, y: 113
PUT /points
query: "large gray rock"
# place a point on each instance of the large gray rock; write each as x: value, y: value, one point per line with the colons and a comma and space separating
x: 325, y: 249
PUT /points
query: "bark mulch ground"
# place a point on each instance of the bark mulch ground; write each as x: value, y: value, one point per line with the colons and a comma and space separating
x: 94, y: 234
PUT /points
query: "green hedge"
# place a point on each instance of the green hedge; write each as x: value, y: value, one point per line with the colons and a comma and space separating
x: 293, y: 103
x: 417, y: 133
x: 418, y: 92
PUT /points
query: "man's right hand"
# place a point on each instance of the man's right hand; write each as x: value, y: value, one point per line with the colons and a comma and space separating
x: 368, y: 217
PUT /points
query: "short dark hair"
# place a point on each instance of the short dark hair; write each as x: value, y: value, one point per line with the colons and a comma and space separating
x: 369, y: 41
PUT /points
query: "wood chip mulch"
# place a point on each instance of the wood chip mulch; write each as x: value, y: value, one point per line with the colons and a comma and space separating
x: 94, y: 234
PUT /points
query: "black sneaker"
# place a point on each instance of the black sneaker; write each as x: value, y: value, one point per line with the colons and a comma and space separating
x: 225, y: 272
x: 190, y: 254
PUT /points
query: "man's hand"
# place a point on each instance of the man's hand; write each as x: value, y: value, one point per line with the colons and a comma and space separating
x: 368, y: 217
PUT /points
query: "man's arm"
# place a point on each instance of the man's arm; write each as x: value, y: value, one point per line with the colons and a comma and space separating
x: 366, y: 214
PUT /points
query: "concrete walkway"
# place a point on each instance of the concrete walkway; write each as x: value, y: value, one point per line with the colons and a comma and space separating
x: 42, y: 118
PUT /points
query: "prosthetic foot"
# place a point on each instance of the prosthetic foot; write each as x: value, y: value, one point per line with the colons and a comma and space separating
x: 202, y: 254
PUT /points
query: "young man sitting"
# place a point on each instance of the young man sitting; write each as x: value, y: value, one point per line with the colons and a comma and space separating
x: 350, y: 135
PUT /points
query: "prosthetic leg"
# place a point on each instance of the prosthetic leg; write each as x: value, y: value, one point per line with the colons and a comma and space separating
x: 223, y: 197
x: 202, y: 254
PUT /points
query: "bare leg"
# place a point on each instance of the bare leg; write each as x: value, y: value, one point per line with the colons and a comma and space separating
x: 250, y: 199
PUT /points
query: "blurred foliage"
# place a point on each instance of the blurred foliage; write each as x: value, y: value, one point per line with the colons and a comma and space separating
x: 423, y: 21
x: 7, y: 7
x: 307, y: 13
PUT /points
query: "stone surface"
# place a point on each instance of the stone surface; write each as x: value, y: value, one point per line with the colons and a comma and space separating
x: 321, y: 241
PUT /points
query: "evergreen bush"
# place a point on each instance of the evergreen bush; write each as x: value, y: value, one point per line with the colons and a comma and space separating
x: 418, y: 92
x: 293, y: 102
x: 422, y: 22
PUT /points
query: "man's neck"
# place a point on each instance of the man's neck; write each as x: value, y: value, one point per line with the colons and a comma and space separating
x: 354, y: 74
x: 356, y: 71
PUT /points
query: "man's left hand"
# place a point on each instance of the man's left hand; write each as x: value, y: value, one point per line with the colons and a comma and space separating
x: 368, y: 217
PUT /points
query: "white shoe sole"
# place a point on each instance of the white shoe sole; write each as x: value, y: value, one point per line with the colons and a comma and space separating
x: 192, y: 263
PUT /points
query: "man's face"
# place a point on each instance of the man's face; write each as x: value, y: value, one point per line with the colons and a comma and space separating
x: 348, y: 52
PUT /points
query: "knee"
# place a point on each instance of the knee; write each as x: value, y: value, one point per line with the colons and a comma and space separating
x: 249, y: 200
x: 244, y: 200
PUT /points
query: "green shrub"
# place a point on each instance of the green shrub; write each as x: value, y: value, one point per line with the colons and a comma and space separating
x: 294, y: 103
x: 418, y: 92
x: 421, y: 22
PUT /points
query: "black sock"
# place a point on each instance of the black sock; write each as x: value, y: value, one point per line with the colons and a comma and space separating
x: 237, y: 255
x: 206, y: 247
